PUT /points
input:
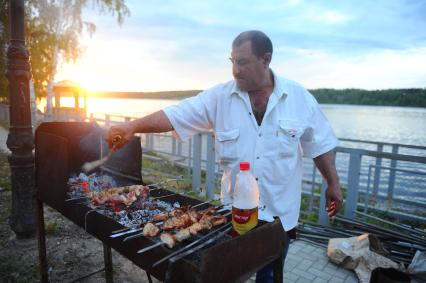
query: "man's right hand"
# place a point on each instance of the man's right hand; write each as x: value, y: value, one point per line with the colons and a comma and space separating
x: 119, y: 135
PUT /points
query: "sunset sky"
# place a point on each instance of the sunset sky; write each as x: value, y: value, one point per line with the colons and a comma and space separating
x: 180, y: 45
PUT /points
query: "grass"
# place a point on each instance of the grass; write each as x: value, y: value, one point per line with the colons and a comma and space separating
x: 162, y: 169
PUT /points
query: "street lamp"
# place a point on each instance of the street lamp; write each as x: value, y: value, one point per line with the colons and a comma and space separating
x: 20, y: 140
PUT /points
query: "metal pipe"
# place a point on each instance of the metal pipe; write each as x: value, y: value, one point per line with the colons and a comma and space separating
x: 41, y: 235
x: 108, y: 264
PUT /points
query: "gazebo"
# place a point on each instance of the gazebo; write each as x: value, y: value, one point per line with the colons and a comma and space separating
x: 69, y: 88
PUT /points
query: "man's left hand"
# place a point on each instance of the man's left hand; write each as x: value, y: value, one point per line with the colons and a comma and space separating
x: 334, y: 200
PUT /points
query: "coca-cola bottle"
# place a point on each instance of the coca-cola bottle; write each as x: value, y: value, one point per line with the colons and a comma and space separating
x: 245, y: 201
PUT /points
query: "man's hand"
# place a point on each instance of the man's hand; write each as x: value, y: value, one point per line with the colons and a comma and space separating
x: 334, y: 200
x: 333, y: 195
x: 119, y: 135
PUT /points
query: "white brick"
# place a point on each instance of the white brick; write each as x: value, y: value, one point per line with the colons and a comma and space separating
x: 303, y: 273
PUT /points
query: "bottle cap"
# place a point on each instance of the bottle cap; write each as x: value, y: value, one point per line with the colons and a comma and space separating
x: 244, y: 165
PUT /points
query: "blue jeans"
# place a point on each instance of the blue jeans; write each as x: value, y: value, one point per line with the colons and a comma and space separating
x: 266, y: 274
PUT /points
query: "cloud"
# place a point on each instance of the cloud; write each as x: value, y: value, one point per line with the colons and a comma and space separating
x: 321, y: 43
x: 390, y: 69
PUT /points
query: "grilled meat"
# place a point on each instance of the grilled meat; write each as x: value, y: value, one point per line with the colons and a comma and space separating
x: 168, y: 239
x: 150, y: 230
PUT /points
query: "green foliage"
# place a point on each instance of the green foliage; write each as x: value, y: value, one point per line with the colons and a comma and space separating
x: 4, y: 38
x: 414, y: 97
x: 52, y: 228
x: 53, y: 29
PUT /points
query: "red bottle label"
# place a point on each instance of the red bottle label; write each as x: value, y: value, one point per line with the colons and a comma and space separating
x: 244, y: 220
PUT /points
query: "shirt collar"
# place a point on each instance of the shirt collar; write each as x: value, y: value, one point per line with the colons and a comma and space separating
x: 280, y: 88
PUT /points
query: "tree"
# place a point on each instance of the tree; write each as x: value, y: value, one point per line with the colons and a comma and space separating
x: 52, y: 34
x: 4, y: 38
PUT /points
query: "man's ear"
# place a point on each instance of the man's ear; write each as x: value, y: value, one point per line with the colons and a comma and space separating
x: 267, y: 57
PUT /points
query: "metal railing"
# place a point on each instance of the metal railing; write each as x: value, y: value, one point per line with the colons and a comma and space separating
x: 355, y: 166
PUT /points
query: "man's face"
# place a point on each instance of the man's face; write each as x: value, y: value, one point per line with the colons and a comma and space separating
x: 247, y: 69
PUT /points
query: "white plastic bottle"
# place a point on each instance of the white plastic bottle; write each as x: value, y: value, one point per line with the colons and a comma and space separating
x: 225, y: 189
x: 245, y: 201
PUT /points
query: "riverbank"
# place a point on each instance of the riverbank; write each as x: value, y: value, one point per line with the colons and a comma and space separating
x: 412, y: 97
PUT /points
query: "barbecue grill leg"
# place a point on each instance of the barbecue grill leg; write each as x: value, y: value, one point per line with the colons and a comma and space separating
x: 278, y: 269
x: 108, y: 264
x: 41, y: 242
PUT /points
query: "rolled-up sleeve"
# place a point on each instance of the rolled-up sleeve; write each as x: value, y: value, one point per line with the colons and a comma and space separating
x: 190, y: 116
x: 319, y: 136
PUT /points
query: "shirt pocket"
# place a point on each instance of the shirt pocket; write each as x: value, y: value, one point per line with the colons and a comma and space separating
x: 226, y: 145
x: 289, y: 133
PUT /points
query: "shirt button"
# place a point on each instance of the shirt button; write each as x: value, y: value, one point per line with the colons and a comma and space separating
x: 260, y: 134
x: 249, y: 113
x: 257, y: 157
x: 257, y: 179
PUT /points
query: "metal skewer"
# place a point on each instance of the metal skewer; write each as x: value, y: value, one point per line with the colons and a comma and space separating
x: 71, y: 199
x: 200, y: 204
x: 120, y: 230
x: 150, y: 247
x: 164, y: 196
x: 165, y: 181
x: 126, y: 232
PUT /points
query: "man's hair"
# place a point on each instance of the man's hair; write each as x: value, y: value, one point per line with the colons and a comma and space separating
x: 260, y: 42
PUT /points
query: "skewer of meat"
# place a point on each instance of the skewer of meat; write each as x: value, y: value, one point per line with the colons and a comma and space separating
x: 218, y: 233
x: 123, y: 195
x: 169, y: 240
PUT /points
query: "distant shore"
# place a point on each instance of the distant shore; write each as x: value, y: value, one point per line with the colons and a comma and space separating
x: 411, y: 97
x: 179, y: 94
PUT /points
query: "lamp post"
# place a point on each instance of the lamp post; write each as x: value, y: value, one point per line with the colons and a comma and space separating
x: 20, y: 140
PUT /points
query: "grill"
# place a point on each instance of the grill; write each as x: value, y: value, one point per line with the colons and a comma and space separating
x: 61, y: 150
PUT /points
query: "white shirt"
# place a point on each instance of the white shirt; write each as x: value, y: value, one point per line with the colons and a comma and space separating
x: 293, y: 125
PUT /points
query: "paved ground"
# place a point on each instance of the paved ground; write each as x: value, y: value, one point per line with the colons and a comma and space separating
x: 309, y: 263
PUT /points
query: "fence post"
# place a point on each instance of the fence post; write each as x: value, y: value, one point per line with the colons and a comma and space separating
x: 196, y: 164
x: 146, y: 141
x: 173, y: 145
x: 210, y: 168
x: 190, y: 156
x: 377, y: 171
x: 179, y: 148
x: 127, y: 119
x: 392, y: 173
x: 353, y: 183
x: 312, y: 195
x: 107, y: 120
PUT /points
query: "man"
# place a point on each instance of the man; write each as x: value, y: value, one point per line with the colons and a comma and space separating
x: 261, y: 118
